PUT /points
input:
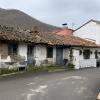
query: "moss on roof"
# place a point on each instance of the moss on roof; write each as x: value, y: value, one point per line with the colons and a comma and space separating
x: 10, y: 34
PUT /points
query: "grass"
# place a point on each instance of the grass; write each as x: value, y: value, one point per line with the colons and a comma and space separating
x: 7, y: 71
x: 35, y: 69
x: 50, y: 68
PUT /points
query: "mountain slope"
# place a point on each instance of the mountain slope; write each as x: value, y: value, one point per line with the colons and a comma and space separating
x: 16, y: 18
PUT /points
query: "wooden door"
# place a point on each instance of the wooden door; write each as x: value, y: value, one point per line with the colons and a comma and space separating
x: 59, y: 55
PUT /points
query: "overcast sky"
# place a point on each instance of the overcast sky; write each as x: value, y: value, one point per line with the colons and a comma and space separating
x: 56, y: 12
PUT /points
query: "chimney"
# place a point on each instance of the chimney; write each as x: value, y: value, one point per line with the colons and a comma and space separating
x: 65, y: 26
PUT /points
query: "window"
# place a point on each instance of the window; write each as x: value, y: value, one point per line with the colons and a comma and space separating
x: 86, y: 54
x: 96, y: 54
x: 30, y: 50
x: 12, y: 49
x: 49, y: 52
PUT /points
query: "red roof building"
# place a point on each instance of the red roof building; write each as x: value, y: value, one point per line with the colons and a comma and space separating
x: 64, y: 31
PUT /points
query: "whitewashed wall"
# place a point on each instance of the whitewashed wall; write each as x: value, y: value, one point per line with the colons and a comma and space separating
x: 79, y: 60
x: 99, y: 53
x: 40, y: 54
x: 76, y: 58
x: 66, y: 53
x: 0, y: 51
x: 54, y: 55
x: 22, y: 50
x: 0, y: 60
x: 52, y: 60
x: 4, y: 52
x: 90, y: 31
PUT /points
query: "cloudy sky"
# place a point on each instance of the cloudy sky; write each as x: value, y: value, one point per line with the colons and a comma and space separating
x: 56, y: 12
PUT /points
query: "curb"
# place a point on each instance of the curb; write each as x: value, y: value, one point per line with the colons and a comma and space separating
x: 11, y: 74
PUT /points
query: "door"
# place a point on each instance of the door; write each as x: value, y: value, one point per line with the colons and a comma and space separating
x: 30, y: 55
x: 59, y: 55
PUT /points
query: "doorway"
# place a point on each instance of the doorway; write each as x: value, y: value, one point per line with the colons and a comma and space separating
x: 59, y: 55
x: 30, y: 55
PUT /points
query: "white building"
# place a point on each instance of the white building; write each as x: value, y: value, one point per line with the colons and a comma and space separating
x: 34, y: 48
x: 89, y: 31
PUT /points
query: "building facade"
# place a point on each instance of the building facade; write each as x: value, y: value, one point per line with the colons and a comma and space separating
x: 89, y: 31
x: 23, y: 48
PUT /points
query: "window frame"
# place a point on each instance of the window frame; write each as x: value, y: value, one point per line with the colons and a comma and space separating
x: 86, y: 54
x: 13, y: 49
x: 30, y: 50
x: 49, y: 52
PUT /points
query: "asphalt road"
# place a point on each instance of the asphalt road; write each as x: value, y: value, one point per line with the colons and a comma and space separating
x: 75, y: 85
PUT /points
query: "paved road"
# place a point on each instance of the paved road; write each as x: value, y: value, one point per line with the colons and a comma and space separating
x: 75, y: 85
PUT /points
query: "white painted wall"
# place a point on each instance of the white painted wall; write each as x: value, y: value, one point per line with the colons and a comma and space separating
x: 4, y: 52
x: 54, y: 55
x: 0, y: 57
x: 99, y: 54
x: 76, y: 58
x: 66, y: 53
x: 90, y: 31
x: 79, y: 60
x: 0, y: 60
x: 52, y: 60
x: 40, y: 54
x: 22, y: 50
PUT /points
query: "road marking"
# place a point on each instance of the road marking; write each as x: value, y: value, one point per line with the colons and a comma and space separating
x: 29, y: 96
x: 40, y: 89
x: 80, y: 90
x: 32, y: 83
x: 73, y: 77
x: 33, y: 92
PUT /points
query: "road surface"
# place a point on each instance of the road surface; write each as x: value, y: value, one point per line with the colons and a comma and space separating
x: 74, y: 85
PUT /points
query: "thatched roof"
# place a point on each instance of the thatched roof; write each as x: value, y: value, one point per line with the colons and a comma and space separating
x: 8, y: 33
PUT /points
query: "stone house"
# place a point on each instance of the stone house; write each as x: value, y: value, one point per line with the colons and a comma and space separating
x: 36, y: 48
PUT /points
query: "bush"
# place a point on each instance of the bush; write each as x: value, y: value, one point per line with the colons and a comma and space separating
x: 48, y: 68
x: 70, y: 66
x: 7, y: 71
x: 37, y: 69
